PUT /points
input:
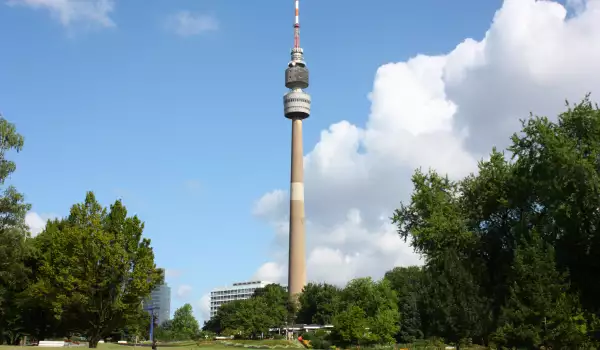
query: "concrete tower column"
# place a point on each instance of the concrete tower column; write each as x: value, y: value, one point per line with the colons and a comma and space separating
x: 297, y: 252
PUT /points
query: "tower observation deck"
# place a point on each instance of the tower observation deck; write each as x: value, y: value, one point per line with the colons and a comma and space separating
x: 296, y: 102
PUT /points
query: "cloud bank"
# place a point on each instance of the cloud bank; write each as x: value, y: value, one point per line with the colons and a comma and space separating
x: 444, y: 112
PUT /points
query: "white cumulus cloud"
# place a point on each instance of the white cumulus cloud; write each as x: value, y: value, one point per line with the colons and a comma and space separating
x: 37, y: 222
x: 204, y: 307
x: 444, y: 112
x: 71, y: 11
x: 186, y: 23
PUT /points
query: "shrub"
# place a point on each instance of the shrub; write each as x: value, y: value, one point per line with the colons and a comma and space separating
x: 321, y: 344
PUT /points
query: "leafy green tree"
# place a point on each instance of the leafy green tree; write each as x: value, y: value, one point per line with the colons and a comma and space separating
x: 252, y: 318
x: 371, y: 296
x: 164, y: 332
x: 407, y: 282
x: 95, y: 268
x: 319, y: 303
x: 276, y: 299
x: 13, y: 231
x: 469, y: 230
x: 453, y: 306
x: 539, y: 310
x: 350, y: 327
x: 378, y: 302
x: 557, y: 163
x: 247, y: 318
x: 213, y: 324
x: 184, y: 325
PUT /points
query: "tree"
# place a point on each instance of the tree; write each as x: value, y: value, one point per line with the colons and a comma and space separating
x: 539, y: 310
x: 453, y: 306
x: 319, y: 303
x: 350, y: 327
x: 407, y: 282
x: 13, y: 231
x: 371, y: 296
x: 276, y: 300
x: 184, y: 325
x: 469, y: 230
x: 95, y: 268
x: 558, y: 163
x: 378, y: 303
x: 247, y: 318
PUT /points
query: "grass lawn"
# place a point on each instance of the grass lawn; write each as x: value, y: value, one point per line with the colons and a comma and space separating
x: 216, y: 345
x: 210, y: 345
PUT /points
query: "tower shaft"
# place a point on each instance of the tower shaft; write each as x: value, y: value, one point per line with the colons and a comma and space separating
x: 297, y: 252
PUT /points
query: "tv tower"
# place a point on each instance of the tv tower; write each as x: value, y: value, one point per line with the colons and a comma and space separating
x: 296, y: 105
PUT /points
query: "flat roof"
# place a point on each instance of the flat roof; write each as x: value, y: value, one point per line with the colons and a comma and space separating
x: 241, y: 285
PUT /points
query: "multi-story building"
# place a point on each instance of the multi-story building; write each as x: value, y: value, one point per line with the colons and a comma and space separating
x: 160, y: 301
x: 239, y: 291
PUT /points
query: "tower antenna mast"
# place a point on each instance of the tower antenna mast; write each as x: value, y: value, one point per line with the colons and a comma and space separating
x: 297, y: 25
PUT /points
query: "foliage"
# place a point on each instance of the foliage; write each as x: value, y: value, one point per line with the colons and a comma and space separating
x: 476, y: 233
x: 275, y: 299
x: 408, y: 283
x: 184, y: 325
x: 539, y: 310
x: 13, y: 233
x: 318, y: 303
x: 350, y: 326
x: 267, y: 308
x: 95, y: 268
x: 511, y: 258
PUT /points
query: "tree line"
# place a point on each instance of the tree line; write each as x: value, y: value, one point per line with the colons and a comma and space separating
x: 85, y: 275
x: 511, y: 255
x: 511, y: 259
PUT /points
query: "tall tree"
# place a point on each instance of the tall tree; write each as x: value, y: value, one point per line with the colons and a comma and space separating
x: 184, y: 325
x: 470, y: 229
x: 558, y: 163
x: 407, y: 282
x: 319, y: 303
x: 351, y: 327
x: 95, y: 268
x: 13, y: 231
x: 539, y: 310
x: 276, y: 299
x: 453, y: 306
x: 378, y: 302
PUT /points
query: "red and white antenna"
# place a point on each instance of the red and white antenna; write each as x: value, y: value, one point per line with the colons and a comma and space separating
x: 297, y: 26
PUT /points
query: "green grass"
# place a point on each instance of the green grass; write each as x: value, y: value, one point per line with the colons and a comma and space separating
x: 112, y: 346
x: 268, y: 342
x: 218, y: 345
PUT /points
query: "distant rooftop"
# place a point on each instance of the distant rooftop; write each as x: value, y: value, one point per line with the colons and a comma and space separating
x: 246, y: 283
x: 242, y: 285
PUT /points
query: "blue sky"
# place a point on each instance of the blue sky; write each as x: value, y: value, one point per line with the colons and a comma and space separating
x: 188, y: 129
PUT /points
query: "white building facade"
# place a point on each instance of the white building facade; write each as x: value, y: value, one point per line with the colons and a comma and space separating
x: 238, y: 291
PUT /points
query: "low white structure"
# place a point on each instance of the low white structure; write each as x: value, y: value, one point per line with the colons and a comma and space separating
x: 51, y: 343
